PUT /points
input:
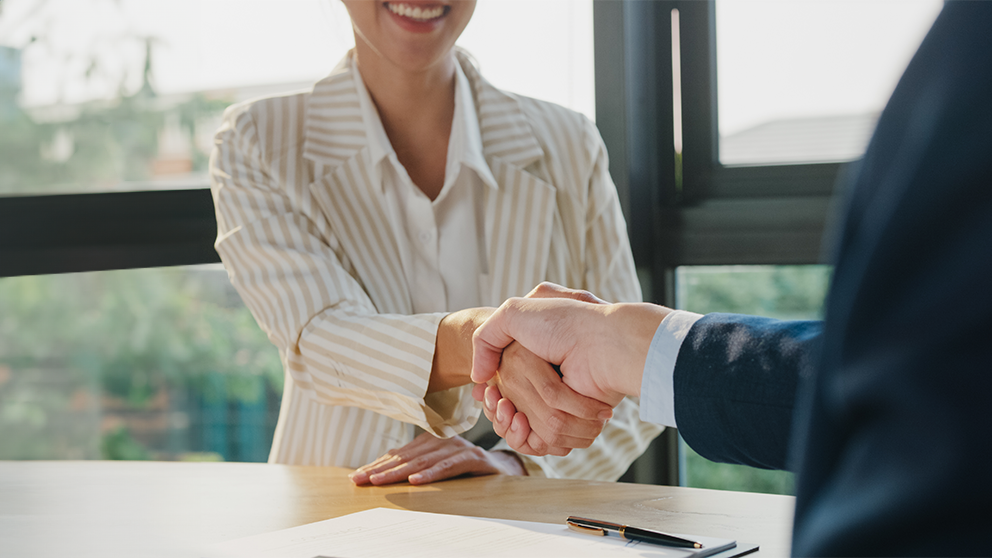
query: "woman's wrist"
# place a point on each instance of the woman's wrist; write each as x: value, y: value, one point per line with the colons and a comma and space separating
x: 452, y: 365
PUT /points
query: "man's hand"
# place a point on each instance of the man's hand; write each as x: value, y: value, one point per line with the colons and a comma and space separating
x: 427, y: 459
x: 566, y: 419
x: 600, y: 350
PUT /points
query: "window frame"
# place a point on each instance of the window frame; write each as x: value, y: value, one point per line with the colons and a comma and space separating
x: 775, y: 214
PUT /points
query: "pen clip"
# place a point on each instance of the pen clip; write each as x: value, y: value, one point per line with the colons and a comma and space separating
x: 587, y: 530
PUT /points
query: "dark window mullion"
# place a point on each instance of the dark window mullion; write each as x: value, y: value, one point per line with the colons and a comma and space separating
x: 102, y: 231
x: 700, y: 132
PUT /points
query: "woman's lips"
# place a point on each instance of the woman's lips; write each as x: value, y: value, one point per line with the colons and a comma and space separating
x: 417, y: 17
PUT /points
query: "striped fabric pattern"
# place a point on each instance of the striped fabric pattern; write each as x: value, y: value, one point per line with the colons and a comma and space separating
x: 305, y: 238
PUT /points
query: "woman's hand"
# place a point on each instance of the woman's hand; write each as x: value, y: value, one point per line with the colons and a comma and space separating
x: 566, y: 419
x: 427, y: 459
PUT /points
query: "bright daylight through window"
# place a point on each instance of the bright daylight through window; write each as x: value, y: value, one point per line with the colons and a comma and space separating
x: 803, y: 81
x: 124, y: 95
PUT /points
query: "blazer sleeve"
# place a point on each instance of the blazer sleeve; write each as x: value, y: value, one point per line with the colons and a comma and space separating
x: 609, y: 273
x: 735, y: 386
x: 290, y: 272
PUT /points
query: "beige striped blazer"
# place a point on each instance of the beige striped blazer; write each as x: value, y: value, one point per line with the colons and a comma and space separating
x: 306, y: 241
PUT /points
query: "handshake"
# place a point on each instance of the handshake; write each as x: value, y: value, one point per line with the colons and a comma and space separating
x: 550, y: 367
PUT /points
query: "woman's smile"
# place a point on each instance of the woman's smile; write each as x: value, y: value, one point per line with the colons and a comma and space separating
x: 418, y: 17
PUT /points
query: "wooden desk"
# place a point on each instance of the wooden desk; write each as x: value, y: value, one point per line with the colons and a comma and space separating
x: 133, y: 509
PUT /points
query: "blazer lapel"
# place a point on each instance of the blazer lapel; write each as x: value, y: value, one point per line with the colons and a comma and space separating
x: 518, y: 219
x: 336, y: 142
x: 520, y: 212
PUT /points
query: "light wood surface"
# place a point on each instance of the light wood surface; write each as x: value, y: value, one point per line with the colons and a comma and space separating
x: 133, y: 509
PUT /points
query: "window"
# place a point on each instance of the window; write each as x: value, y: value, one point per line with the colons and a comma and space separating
x: 107, y: 115
x: 802, y: 82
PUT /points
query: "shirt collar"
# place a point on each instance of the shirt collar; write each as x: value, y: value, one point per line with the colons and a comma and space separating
x: 379, y: 146
x: 464, y: 144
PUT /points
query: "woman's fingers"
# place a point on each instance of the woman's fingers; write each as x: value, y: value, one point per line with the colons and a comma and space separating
x: 550, y: 406
x: 490, y: 399
x: 478, y: 392
x: 502, y: 412
x: 429, y: 459
x: 402, y: 471
x: 473, y: 460
x: 518, y: 434
x: 422, y: 444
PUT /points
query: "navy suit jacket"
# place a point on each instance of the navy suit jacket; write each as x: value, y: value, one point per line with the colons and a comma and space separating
x: 883, y: 409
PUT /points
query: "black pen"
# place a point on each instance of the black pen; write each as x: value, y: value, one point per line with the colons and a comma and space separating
x: 597, y: 527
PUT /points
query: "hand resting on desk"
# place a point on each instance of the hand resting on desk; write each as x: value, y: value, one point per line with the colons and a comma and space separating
x: 428, y: 459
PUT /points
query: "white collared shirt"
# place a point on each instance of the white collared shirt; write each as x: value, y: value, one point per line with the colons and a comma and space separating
x: 441, y: 241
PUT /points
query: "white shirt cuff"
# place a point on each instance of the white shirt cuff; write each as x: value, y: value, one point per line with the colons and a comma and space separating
x: 658, y: 385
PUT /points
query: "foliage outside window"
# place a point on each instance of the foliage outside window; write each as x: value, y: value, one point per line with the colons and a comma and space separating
x: 140, y: 364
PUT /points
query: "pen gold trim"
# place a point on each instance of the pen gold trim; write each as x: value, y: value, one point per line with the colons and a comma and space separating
x: 627, y: 532
x: 586, y: 530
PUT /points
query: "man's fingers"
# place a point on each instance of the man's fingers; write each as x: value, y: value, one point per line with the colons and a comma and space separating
x: 516, y: 319
x: 488, y: 343
x: 557, y: 395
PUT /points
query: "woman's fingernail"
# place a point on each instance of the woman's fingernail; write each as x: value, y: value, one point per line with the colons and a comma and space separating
x: 416, y: 477
x: 606, y: 415
x: 500, y: 416
x: 489, y: 404
x: 514, y: 426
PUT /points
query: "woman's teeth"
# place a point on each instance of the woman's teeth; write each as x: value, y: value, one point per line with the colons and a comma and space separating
x: 415, y: 12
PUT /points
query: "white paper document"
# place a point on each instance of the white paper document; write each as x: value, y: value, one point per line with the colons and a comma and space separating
x: 388, y: 533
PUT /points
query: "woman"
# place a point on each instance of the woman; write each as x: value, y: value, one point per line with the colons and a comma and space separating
x: 354, y: 218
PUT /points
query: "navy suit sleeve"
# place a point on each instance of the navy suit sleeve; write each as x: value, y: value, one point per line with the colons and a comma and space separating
x: 735, y: 386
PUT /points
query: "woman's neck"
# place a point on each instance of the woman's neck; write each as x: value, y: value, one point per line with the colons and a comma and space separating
x: 416, y: 109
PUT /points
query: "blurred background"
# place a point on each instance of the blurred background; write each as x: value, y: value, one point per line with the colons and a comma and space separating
x: 166, y: 363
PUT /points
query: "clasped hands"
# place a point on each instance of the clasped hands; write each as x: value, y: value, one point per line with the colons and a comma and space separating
x: 599, y: 349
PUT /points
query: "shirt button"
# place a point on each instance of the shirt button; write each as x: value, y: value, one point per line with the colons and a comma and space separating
x: 425, y: 236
